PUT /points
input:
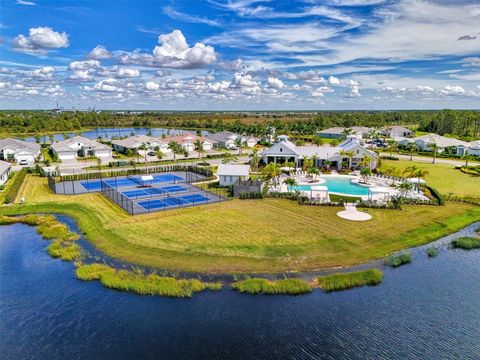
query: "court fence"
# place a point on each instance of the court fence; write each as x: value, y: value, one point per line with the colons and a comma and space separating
x: 65, y: 184
x: 141, y: 204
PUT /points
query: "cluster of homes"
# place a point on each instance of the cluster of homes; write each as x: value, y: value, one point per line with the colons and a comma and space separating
x: 404, y: 137
x: 25, y: 152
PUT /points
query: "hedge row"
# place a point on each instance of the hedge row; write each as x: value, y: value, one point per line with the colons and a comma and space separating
x: 438, y: 197
x: 11, y: 191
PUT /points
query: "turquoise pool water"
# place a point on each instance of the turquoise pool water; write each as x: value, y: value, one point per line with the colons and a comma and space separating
x: 337, y: 185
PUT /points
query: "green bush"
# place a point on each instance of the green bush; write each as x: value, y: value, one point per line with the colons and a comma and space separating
x: 398, y: 260
x: 11, y: 191
x: 432, y: 252
x: 264, y: 286
x: 342, y: 281
x: 466, y: 243
x: 251, y: 195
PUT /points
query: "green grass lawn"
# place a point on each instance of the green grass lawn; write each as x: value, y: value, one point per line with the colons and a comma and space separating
x: 443, y: 177
x: 270, y: 235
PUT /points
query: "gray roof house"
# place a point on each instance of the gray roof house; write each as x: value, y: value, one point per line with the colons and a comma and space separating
x: 396, y: 131
x: 18, y: 150
x: 425, y: 143
x: 229, y: 174
x: 338, y: 132
x: 80, y: 146
x: 284, y: 150
x: 133, y: 143
x: 226, y: 139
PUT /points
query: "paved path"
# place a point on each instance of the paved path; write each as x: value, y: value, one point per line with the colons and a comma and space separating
x: 427, y: 159
x: 351, y: 213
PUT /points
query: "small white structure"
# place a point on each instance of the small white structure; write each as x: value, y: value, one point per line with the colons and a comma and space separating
x: 18, y: 150
x: 230, y: 174
x: 5, y: 169
x: 80, y: 146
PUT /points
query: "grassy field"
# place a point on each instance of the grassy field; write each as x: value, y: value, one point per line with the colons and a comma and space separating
x: 270, y: 235
x: 443, y: 177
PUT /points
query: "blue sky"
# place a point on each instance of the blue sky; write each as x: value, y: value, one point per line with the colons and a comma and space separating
x: 240, y: 54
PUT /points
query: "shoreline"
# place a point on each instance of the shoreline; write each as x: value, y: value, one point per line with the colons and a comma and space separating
x: 93, y: 252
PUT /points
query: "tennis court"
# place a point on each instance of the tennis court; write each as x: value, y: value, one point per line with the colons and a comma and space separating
x: 96, y: 185
x: 175, y: 201
x: 133, y: 194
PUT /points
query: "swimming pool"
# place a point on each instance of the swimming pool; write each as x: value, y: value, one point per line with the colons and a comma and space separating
x: 341, y: 185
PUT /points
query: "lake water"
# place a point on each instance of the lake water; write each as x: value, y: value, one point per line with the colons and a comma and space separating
x: 108, y: 133
x: 429, y: 309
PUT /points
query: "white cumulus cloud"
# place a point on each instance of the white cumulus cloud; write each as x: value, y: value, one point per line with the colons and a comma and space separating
x: 39, y: 41
x: 275, y: 83
x: 99, y: 52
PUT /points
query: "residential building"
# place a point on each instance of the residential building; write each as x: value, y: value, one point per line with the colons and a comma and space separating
x: 187, y: 141
x: 5, y: 168
x: 339, y: 132
x: 230, y: 174
x: 442, y: 143
x: 79, y: 146
x: 133, y: 144
x: 18, y: 150
x: 396, y: 131
x: 474, y: 148
x: 227, y: 139
x: 286, y: 151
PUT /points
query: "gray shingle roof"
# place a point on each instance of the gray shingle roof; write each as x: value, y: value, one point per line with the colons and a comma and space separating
x: 18, y: 145
x: 64, y: 145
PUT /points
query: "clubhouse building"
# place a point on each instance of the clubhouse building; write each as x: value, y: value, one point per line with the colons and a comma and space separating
x: 286, y: 151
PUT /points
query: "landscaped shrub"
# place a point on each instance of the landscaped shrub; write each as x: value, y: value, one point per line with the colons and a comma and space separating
x: 12, y: 189
x: 428, y: 190
x: 265, y: 286
x: 471, y: 170
x: 342, y: 281
x: 398, y: 260
x: 466, y: 243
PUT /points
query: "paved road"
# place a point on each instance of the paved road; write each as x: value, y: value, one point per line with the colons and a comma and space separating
x: 429, y: 159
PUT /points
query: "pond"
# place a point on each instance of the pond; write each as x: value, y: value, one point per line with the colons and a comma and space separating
x: 108, y: 133
x: 429, y: 309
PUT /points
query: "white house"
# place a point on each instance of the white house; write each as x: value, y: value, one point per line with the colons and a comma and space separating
x: 230, y: 174
x: 80, y: 146
x: 227, y: 139
x: 396, y: 131
x: 133, y: 143
x: 18, y: 150
x: 5, y: 168
x: 284, y: 150
x: 442, y: 143
x: 187, y: 141
x: 474, y: 148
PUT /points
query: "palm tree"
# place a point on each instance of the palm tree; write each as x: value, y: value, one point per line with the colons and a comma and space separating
x: 239, y: 144
x: 176, y: 148
x: 254, y: 159
x: 467, y: 157
x: 315, y: 160
x: 405, y: 187
x: 317, y: 140
x: 412, y: 147
x: 271, y: 171
x: 372, y: 134
x: 421, y: 174
x: 313, y: 171
x: 392, y: 147
x: 434, y: 147
x: 365, y: 172
x: 307, y: 164
x: 228, y: 158
x: 410, y: 171
x: 144, y: 148
x: 99, y: 164
x: 290, y: 182
x: 349, y: 154
x: 366, y: 162
x: 199, y: 147
x: 346, y: 132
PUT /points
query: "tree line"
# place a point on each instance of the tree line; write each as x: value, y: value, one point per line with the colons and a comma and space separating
x: 464, y: 124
